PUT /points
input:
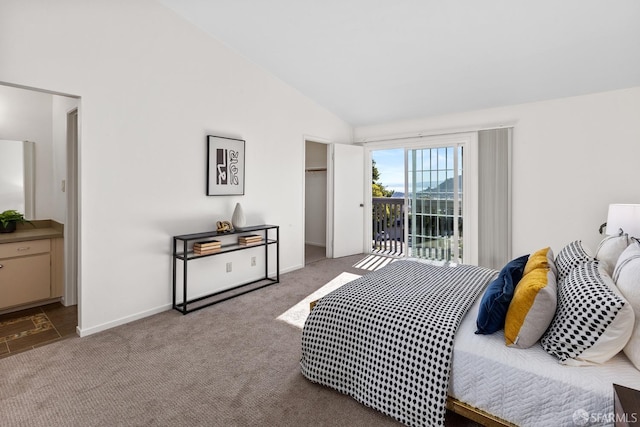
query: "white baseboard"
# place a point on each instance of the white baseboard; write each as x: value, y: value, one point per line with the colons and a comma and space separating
x: 108, y: 325
x: 295, y: 267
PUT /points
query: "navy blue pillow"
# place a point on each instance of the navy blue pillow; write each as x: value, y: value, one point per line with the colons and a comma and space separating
x: 496, y: 299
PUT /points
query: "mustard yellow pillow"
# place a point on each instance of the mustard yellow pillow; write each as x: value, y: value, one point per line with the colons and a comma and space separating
x: 540, y: 259
x: 532, y: 308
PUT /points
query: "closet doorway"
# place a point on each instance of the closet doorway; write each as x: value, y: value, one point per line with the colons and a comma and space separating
x: 315, y: 219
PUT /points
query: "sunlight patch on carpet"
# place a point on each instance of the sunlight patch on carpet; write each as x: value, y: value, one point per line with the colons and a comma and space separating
x: 374, y: 262
x: 297, y: 314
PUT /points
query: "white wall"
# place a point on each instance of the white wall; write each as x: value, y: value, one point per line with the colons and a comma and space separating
x: 27, y: 116
x: 152, y: 88
x: 571, y: 158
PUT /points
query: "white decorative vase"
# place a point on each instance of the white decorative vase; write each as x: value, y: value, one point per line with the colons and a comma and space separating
x: 238, y: 220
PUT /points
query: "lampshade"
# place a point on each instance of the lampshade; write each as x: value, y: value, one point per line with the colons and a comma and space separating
x: 625, y: 217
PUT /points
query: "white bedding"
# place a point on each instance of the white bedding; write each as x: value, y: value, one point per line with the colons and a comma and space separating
x: 528, y: 387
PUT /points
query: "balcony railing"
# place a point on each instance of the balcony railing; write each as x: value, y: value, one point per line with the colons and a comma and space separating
x: 433, y: 237
x: 388, y: 226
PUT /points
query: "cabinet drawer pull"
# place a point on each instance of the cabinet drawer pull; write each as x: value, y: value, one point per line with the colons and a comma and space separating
x: 24, y: 248
x: 1, y: 265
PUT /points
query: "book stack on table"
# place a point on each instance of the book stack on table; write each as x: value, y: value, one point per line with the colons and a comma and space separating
x: 249, y: 239
x: 205, y: 248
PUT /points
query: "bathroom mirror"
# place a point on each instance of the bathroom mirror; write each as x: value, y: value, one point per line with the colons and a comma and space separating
x: 17, y: 177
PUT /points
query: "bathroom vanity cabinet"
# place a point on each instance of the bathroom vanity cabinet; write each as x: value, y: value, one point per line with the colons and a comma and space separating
x: 31, y: 264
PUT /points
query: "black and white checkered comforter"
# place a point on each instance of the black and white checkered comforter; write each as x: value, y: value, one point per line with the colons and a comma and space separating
x: 386, y: 339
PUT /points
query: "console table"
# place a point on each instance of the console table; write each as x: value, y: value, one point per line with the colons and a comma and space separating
x: 182, y: 251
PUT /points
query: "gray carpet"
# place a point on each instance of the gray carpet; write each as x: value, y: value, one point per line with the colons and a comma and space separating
x: 313, y: 253
x: 231, y: 364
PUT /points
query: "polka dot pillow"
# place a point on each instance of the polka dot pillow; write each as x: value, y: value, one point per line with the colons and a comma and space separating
x: 571, y: 256
x: 593, y: 321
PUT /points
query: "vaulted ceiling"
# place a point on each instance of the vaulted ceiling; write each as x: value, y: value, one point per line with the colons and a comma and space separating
x: 374, y: 61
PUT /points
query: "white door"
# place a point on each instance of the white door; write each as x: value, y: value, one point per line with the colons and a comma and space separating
x: 348, y: 200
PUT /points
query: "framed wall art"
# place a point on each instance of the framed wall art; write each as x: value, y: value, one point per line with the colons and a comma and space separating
x: 225, y: 166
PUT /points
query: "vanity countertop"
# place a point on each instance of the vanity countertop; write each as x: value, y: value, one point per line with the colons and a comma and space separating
x: 41, y: 229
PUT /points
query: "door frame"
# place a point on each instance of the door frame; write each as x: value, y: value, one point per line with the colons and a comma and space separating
x: 329, y: 213
x: 71, y: 241
x: 71, y: 244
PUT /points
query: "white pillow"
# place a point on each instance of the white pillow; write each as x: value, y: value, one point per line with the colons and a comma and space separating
x: 609, y: 250
x: 593, y: 321
x: 627, y: 275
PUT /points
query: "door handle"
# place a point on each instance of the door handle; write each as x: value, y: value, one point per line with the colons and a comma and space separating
x: 362, y: 205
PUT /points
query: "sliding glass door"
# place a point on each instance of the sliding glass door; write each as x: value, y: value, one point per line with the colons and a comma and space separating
x: 435, y: 203
x: 417, y: 202
x: 453, y: 202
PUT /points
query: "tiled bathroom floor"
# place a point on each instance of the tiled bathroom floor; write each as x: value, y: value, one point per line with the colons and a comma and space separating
x: 27, y: 329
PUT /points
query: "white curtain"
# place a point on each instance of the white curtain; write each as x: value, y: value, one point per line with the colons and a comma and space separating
x: 494, y: 197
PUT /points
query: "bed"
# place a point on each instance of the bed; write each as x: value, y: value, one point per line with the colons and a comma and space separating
x: 402, y: 340
x: 532, y: 389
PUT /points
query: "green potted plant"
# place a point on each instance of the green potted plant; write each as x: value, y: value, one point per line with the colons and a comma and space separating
x: 9, y: 219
